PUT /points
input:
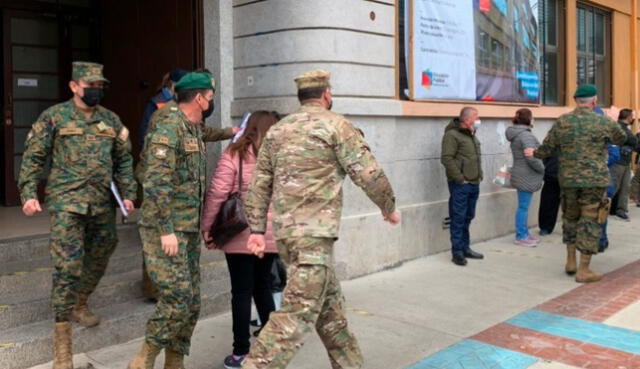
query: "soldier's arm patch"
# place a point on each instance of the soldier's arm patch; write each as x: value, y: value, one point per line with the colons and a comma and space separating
x: 160, y: 152
x: 124, y: 134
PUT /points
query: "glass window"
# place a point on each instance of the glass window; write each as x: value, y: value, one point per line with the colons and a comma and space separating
x: 551, y: 51
x: 594, y: 56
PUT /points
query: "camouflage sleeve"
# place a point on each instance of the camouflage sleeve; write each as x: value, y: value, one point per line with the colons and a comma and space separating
x: 356, y: 159
x: 211, y: 134
x: 617, y: 135
x: 123, y: 163
x: 259, y: 196
x: 39, y: 147
x: 549, y: 145
x: 448, y: 158
x: 160, y: 165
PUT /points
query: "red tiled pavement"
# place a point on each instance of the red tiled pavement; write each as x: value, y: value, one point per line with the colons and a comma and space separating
x: 599, y: 301
x: 558, y: 349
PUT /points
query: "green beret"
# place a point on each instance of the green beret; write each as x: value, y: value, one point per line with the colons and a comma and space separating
x: 196, y: 81
x: 586, y: 90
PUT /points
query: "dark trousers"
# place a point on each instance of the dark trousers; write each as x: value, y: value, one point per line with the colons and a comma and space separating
x: 250, y: 277
x: 549, y: 205
x: 462, y: 210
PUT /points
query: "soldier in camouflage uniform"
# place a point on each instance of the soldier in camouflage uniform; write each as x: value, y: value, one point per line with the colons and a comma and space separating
x: 173, y: 180
x: 580, y: 139
x: 301, y: 168
x: 89, y: 147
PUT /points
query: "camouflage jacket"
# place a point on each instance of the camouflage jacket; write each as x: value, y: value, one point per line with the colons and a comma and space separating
x: 174, y: 170
x: 302, y: 164
x: 86, y: 155
x: 580, y: 139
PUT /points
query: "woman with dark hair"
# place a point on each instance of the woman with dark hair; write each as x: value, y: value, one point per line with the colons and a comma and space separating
x: 526, y: 174
x: 250, y: 275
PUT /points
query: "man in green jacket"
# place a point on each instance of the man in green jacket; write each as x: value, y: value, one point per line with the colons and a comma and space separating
x: 462, y: 161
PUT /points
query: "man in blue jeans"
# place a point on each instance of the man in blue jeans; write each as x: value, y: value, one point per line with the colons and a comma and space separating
x: 462, y: 161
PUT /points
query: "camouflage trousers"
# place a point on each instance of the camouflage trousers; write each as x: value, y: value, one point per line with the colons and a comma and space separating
x: 312, y: 299
x: 177, y: 280
x: 580, y: 218
x: 81, y: 246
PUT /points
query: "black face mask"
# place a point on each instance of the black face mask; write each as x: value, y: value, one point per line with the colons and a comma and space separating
x: 207, y: 113
x: 330, y: 104
x: 92, y: 96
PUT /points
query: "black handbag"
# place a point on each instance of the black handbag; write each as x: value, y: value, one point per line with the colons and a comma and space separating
x: 231, y: 218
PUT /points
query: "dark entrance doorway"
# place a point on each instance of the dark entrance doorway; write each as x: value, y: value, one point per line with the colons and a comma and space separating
x: 137, y: 41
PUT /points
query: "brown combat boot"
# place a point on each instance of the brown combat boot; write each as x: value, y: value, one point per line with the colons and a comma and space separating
x: 173, y: 359
x: 571, y: 267
x: 585, y: 275
x: 145, y: 358
x: 81, y: 313
x: 62, y: 353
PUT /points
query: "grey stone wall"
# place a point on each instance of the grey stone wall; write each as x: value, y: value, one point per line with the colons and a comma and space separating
x: 273, y: 41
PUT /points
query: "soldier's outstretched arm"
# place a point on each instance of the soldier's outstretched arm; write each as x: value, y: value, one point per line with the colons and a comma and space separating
x: 549, y: 144
x: 211, y: 134
x: 259, y: 197
x: 39, y: 147
x: 356, y: 159
x: 618, y: 135
x: 123, y: 164
x: 160, y: 160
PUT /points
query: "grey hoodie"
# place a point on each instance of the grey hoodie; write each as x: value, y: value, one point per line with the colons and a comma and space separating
x: 527, y: 172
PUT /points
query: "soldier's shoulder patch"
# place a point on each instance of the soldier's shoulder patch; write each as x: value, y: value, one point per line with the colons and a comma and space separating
x: 161, y: 139
x: 124, y: 134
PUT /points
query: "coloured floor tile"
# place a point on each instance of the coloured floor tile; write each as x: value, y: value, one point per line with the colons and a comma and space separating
x: 471, y: 354
x: 595, y: 333
x: 628, y: 318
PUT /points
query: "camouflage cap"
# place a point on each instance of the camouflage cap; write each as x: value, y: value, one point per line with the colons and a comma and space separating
x: 313, y: 79
x: 88, y: 72
x: 196, y: 81
x: 586, y: 90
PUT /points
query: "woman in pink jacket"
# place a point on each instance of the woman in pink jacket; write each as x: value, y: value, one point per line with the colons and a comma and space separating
x: 250, y: 276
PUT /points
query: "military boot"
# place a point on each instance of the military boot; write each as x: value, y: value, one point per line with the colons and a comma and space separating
x: 82, y: 314
x: 585, y: 275
x: 145, y: 358
x: 571, y: 267
x: 173, y: 359
x: 62, y: 353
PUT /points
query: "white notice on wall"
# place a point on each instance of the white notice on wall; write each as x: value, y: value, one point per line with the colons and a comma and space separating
x: 444, y: 63
x: 27, y: 82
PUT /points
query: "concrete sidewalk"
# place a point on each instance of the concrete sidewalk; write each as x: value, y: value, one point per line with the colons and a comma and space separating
x: 403, y: 315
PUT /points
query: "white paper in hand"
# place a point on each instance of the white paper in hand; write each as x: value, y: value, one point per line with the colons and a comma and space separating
x: 116, y: 194
x: 243, y: 126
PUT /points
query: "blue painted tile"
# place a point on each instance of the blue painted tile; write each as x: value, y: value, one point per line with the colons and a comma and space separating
x: 580, y: 330
x: 471, y: 354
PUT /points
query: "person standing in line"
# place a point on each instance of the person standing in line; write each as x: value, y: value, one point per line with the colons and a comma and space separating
x: 580, y: 140
x: 250, y: 275
x: 462, y: 160
x: 621, y: 170
x: 165, y: 93
x: 549, y: 197
x: 526, y: 174
x: 301, y: 167
x: 89, y: 148
x: 173, y: 180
